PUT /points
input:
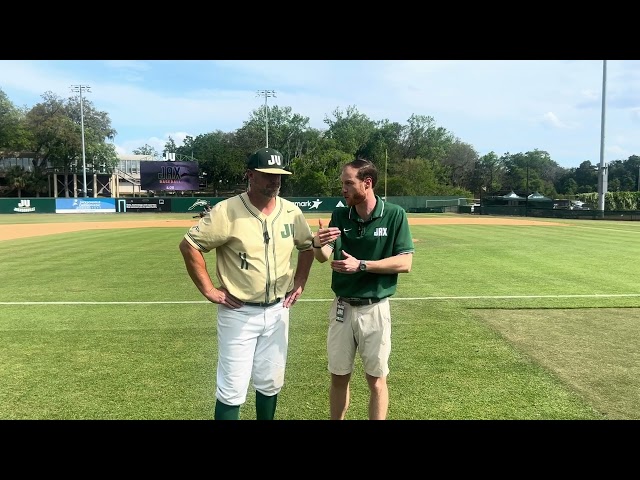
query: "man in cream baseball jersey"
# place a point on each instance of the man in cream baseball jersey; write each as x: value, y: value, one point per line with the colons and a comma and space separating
x: 254, y: 235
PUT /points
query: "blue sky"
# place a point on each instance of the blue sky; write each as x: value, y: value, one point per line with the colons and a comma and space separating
x: 502, y: 106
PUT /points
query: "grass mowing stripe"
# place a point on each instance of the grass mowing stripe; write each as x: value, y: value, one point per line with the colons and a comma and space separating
x: 140, y: 343
x: 327, y: 300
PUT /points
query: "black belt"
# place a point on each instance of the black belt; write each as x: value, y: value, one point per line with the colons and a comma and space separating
x: 263, y: 304
x: 358, y: 302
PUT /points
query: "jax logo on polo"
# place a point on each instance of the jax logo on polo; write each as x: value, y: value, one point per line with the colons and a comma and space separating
x: 24, y: 206
x: 380, y: 232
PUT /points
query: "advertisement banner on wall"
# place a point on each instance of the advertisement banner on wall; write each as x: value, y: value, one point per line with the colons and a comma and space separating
x: 85, y: 205
x: 173, y: 176
x: 317, y: 204
x: 27, y: 205
x: 144, y: 204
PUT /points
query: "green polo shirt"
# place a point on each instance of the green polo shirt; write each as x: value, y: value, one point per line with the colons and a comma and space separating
x: 386, y: 234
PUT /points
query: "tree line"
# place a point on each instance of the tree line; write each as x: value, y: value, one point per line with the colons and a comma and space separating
x: 416, y: 158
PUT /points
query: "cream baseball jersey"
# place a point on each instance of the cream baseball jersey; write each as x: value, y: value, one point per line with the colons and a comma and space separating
x: 253, y: 250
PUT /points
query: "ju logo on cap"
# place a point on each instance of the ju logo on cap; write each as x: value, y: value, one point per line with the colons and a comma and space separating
x: 267, y: 160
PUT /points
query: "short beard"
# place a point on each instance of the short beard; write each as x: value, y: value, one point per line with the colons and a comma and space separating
x: 270, y: 192
x: 356, y: 198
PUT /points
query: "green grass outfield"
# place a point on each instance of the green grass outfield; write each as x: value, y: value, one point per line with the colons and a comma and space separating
x: 493, y: 322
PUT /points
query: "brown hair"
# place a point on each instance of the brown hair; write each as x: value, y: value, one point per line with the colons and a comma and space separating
x: 365, y: 169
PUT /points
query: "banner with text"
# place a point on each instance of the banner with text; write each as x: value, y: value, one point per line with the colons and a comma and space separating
x: 174, y: 176
x: 144, y: 204
x: 27, y: 205
x: 85, y: 205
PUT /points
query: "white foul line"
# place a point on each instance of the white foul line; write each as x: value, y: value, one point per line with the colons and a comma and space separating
x: 395, y: 299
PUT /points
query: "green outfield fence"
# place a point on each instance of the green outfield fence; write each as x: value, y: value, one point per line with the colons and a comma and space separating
x: 194, y: 204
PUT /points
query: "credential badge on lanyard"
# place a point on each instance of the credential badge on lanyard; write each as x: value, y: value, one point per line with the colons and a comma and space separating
x: 340, y: 311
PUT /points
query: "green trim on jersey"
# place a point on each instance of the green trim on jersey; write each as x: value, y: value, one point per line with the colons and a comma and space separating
x: 386, y: 234
x: 253, y: 251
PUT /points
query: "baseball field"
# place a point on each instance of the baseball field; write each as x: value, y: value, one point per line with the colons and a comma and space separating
x: 500, y: 318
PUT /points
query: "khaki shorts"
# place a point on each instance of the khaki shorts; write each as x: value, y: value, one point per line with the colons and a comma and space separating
x: 366, y: 329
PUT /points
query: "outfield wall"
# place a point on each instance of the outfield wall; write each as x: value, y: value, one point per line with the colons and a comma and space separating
x: 58, y: 205
x: 186, y: 204
x: 142, y: 204
x: 307, y: 205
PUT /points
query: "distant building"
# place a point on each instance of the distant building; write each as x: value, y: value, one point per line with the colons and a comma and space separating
x: 123, y: 180
x: 126, y: 179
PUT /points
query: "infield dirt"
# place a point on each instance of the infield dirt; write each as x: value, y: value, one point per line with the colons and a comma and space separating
x: 10, y: 232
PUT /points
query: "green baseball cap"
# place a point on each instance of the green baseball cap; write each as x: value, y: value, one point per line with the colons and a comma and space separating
x: 267, y: 160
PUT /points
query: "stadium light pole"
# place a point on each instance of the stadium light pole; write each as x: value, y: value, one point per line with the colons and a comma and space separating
x: 602, y: 183
x: 266, y: 94
x: 385, y: 174
x: 78, y: 89
x: 526, y: 202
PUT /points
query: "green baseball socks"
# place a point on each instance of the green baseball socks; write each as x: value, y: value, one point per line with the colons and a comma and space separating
x: 265, y: 409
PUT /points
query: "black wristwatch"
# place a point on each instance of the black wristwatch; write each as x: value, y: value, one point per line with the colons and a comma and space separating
x: 363, y: 265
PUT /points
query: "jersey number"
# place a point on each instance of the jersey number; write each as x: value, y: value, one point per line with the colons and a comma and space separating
x: 244, y: 265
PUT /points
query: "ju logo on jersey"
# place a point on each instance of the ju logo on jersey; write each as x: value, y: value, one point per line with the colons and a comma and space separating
x: 288, y: 230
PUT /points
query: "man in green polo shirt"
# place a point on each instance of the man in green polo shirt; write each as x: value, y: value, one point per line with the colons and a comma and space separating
x: 371, y: 244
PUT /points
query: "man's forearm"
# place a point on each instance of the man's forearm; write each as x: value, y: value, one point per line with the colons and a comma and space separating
x: 322, y: 253
x: 396, y: 264
x: 305, y: 260
x: 196, y: 267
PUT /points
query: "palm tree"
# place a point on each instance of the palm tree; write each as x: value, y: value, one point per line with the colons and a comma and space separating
x: 17, y: 178
x: 38, y: 182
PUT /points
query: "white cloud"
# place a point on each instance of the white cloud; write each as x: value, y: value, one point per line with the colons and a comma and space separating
x: 550, y: 119
x: 493, y: 105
